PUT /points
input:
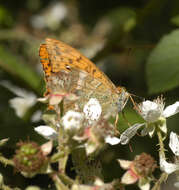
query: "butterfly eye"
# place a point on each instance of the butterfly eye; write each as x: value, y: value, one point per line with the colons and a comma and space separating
x: 68, y: 67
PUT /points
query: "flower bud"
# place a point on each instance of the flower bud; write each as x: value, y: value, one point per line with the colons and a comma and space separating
x: 29, y: 157
x: 144, y: 164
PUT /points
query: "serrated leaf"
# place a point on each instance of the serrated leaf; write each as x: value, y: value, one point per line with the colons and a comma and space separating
x: 16, y: 67
x: 163, y: 64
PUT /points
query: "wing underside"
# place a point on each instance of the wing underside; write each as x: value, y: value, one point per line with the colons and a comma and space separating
x: 68, y: 71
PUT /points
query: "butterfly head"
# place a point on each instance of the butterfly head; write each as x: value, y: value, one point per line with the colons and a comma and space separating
x: 123, y: 98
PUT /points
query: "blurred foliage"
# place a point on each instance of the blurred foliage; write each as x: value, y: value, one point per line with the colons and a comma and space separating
x: 134, y: 42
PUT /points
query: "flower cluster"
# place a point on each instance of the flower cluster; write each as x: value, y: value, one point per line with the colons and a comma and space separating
x: 140, y: 169
x: 90, y: 130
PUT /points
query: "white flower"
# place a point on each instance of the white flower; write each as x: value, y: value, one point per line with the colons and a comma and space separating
x: 23, y: 102
x: 51, y: 17
x: 154, y: 114
x: 174, y: 145
x: 72, y: 121
x: 151, y: 111
x: 168, y: 167
x: 47, y: 132
x: 92, y: 110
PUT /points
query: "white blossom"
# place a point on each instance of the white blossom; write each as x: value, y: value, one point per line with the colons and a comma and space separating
x: 23, y: 101
x: 51, y: 17
x: 154, y: 114
x: 174, y: 145
x: 92, y: 110
x: 72, y: 121
x: 151, y: 111
x: 22, y: 104
x: 47, y: 132
x: 168, y: 167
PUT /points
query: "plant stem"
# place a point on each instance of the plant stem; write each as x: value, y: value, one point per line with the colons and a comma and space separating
x: 162, y: 178
x: 6, y: 161
x: 57, y: 156
x: 162, y: 150
x: 58, y: 183
x: 67, y: 180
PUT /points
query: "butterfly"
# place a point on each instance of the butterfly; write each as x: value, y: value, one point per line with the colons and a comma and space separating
x: 67, y: 71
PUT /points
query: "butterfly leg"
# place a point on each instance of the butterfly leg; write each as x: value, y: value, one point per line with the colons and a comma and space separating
x: 116, y: 120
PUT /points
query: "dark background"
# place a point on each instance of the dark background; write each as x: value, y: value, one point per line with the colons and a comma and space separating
x: 136, y: 43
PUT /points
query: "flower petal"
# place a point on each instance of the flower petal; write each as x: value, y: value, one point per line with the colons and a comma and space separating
x: 151, y: 130
x: 47, y: 132
x: 3, y: 141
x: 47, y: 147
x: 174, y: 143
x: 82, y: 187
x: 92, y: 110
x: 171, y: 110
x: 168, y: 167
x: 125, y: 164
x: 151, y: 110
x: 90, y: 147
x: 129, y: 133
x: 144, y: 184
x: 22, y: 104
x: 128, y: 178
x: 112, y: 140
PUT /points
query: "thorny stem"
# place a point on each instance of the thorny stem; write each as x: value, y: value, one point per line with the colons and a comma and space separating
x: 5, y: 187
x: 61, y: 142
x: 57, y: 156
x: 162, y: 150
x: 6, y: 161
x: 162, y: 178
x: 164, y: 175
x: 58, y: 183
x: 67, y: 180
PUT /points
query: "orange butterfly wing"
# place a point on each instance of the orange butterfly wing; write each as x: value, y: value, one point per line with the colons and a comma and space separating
x: 56, y: 56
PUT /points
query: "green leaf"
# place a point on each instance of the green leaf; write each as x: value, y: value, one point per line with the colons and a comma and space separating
x: 16, y: 67
x: 163, y: 64
x: 175, y: 20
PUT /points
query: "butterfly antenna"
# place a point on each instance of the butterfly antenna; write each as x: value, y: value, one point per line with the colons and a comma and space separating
x: 136, y: 107
x: 130, y: 147
x: 142, y: 98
